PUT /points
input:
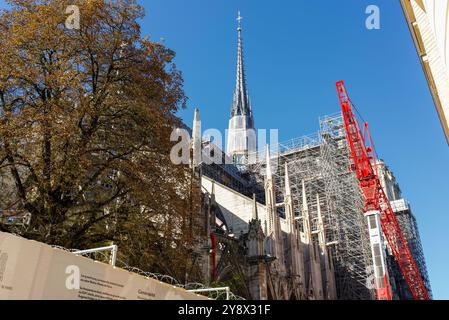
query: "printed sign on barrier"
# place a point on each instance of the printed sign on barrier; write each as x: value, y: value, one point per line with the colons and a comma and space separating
x: 36, y: 271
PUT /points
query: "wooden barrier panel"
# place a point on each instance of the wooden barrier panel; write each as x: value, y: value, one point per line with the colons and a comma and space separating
x: 36, y: 271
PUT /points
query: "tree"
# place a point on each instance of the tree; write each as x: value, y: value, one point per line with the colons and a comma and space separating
x: 85, y: 120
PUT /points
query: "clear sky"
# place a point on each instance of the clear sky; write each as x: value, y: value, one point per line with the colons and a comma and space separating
x: 295, y: 51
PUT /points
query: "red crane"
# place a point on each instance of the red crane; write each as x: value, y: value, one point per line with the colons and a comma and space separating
x: 363, y: 159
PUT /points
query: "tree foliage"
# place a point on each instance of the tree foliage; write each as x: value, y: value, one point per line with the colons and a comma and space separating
x: 85, y: 121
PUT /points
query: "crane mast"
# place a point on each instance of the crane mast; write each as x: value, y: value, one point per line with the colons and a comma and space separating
x: 378, y: 207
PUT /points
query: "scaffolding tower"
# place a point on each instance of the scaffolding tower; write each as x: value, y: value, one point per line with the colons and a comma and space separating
x: 409, y: 227
x: 347, y: 225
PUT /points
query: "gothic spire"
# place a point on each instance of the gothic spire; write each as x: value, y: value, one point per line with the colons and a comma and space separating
x: 241, y: 134
x: 241, y: 105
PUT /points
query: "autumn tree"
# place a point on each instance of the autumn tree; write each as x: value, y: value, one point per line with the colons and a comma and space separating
x: 85, y: 119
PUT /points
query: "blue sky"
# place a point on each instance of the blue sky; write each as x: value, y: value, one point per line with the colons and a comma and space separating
x: 295, y: 51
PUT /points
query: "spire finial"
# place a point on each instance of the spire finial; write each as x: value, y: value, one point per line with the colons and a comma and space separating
x: 196, y: 138
x: 255, y: 213
x: 288, y: 191
x: 268, y: 163
x: 305, y: 206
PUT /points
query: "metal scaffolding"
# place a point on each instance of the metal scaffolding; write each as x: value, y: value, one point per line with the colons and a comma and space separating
x: 322, y: 161
x: 347, y: 224
x: 409, y: 227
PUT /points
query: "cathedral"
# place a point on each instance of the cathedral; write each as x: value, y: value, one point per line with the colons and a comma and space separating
x: 290, y: 225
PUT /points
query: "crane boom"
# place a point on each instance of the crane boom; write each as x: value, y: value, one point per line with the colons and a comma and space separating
x: 376, y: 200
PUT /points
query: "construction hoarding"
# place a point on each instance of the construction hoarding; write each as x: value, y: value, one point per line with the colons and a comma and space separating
x: 36, y: 271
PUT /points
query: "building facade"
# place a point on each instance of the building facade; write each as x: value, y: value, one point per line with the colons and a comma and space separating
x: 428, y: 21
